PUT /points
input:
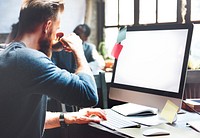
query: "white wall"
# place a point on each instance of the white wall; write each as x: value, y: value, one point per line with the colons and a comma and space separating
x: 9, y: 13
x: 73, y: 15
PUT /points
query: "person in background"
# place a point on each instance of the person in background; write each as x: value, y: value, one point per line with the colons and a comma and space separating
x: 95, y: 61
x: 10, y: 36
x: 28, y: 76
x: 13, y: 33
x: 65, y: 59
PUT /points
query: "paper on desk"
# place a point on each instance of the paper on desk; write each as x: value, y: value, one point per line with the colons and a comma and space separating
x: 169, y: 111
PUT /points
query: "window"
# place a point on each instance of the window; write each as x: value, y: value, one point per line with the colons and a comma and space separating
x: 122, y: 12
x: 195, y: 10
x: 137, y: 12
x: 167, y: 11
x: 126, y: 12
x: 118, y: 12
x: 111, y: 12
x: 147, y: 11
x: 110, y: 38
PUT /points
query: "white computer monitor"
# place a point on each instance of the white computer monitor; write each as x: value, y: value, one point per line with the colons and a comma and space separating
x: 152, y: 65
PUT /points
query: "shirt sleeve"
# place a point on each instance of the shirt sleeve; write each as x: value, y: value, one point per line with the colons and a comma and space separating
x: 39, y: 75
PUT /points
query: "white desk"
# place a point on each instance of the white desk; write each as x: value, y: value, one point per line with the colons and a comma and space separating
x: 177, y: 130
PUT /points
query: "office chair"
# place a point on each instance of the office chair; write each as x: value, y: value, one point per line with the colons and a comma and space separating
x: 102, y: 89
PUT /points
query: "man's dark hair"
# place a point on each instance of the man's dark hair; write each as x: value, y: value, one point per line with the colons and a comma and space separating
x: 82, y: 29
x: 35, y: 12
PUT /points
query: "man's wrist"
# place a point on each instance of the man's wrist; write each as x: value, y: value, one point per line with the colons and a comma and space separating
x: 62, y: 120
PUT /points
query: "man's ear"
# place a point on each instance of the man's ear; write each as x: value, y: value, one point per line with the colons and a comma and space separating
x: 47, y: 26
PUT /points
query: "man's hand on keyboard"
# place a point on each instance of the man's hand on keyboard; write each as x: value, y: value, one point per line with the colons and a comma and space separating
x: 92, y: 115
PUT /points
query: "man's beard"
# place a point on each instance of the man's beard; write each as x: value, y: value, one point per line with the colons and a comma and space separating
x: 45, y: 44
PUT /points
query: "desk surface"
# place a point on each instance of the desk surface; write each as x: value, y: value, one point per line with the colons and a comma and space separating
x: 178, y: 129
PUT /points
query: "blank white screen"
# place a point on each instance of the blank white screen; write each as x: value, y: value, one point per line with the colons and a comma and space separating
x: 152, y: 59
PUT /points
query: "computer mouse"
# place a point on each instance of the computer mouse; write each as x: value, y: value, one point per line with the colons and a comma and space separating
x: 155, y: 132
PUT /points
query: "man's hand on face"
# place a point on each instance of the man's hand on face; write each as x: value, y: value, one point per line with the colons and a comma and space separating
x: 72, y: 43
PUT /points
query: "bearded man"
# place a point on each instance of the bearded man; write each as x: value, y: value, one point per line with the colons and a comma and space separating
x: 28, y: 76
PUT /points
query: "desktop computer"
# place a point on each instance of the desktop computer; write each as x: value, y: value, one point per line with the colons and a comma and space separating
x: 152, y: 65
x: 149, y: 71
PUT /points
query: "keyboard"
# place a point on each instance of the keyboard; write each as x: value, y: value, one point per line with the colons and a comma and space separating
x: 116, y: 121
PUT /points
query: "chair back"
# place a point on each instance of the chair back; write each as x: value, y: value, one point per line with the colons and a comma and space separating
x: 102, y: 88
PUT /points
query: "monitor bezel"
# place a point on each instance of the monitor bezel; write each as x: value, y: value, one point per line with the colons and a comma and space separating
x: 178, y: 95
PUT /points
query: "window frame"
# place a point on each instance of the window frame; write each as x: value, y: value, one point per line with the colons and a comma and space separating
x: 180, y: 18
